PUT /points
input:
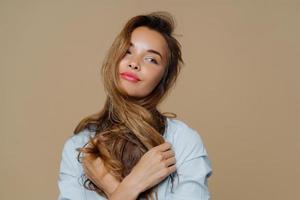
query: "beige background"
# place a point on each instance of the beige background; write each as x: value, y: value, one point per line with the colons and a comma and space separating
x: 239, y: 88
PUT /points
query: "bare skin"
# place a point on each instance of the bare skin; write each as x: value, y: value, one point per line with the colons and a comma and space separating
x: 152, y: 168
x: 97, y: 173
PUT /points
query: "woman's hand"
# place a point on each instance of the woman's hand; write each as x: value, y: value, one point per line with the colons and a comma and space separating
x: 152, y: 168
x: 97, y: 173
x: 155, y: 165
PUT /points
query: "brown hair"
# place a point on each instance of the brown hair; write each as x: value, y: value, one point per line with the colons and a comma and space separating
x: 127, y: 127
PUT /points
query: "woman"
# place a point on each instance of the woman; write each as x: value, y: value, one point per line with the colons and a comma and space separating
x: 130, y: 150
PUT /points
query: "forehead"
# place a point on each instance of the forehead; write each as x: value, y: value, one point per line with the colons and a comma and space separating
x: 145, y: 38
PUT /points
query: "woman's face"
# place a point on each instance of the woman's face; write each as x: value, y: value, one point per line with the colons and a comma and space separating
x: 145, y: 59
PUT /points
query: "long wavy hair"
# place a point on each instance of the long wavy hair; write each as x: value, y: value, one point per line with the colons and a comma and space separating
x: 127, y: 127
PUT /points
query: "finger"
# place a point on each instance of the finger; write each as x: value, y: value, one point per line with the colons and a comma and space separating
x: 172, y: 168
x: 170, y: 161
x: 88, y: 156
x: 164, y: 146
x: 166, y: 171
x: 168, y: 154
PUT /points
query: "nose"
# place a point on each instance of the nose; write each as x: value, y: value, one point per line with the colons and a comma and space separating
x: 134, y: 65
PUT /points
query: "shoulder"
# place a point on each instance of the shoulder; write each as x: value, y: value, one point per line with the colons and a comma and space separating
x: 69, y: 162
x: 79, y: 139
x: 186, y: 141
x: 180, y: 130
x: 76, y: 141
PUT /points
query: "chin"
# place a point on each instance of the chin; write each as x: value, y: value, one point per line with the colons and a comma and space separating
x: 135, y: 95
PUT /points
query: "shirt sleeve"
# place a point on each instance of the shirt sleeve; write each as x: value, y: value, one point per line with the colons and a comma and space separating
x: 68, y: 182
x: 193, y: 169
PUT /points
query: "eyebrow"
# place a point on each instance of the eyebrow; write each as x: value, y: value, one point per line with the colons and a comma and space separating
x: 150, y: 50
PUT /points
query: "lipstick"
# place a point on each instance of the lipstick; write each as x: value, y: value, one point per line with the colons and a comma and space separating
x: 130, y: 77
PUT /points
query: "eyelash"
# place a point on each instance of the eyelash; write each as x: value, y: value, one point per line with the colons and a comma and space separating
x: 153, y: 60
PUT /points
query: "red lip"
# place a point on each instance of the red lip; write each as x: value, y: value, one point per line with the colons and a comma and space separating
x: 132, y: 75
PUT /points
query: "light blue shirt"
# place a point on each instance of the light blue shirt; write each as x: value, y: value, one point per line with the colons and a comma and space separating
x: 192, y: 163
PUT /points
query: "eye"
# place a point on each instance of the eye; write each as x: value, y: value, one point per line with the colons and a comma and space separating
x: 153, y: 60
x: 128, y: 52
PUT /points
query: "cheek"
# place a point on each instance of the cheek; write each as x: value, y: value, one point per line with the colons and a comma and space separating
x: 156, y: 77
x: 122, y: 64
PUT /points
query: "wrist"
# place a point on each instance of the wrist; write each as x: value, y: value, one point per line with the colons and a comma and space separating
x: 127, y: 189
x: 132, y: 184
